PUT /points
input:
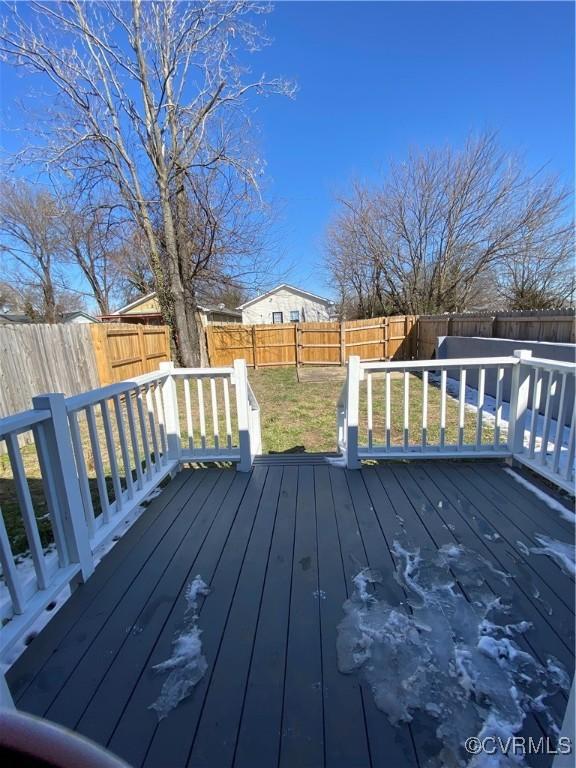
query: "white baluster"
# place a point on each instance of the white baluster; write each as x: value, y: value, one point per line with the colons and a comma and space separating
x: 369, y: 408
x: 406, y: 410
x: 461, y: 407
x: 480, y: 407
x: 201, y: 414
x: 424, y: 408
x: 442, y: 407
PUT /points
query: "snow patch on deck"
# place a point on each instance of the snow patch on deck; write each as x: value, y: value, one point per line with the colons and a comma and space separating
x: 187, y: 664
x: 451, y: 659
x: 543, y: 496
x: 562, y: 553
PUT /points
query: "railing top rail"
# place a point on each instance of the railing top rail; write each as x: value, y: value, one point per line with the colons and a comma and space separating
x: 462, y: 362
x: 76, y: 402
x: 202, y: 372
x: 556, y: 365
x: 22, y: 422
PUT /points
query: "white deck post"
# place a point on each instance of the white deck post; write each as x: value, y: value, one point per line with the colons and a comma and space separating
x: 171, y: 413
x: 519, y: 401
x: 58, y: 460
x: 352, y: 408
x: 242, y: 409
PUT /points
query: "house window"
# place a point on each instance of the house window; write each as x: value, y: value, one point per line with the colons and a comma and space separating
x: 277, y: 317
x: 295, y: 316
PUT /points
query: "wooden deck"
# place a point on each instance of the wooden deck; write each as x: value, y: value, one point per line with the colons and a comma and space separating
x: 279, y: 548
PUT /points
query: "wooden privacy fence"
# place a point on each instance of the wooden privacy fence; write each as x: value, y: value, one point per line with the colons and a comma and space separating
x: 125, y: 350
x: 38, y: 358
x: 555, y: 326
x: 400, y: 337
x: 312, y: 343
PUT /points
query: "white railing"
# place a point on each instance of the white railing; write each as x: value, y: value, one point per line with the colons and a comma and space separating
x: 426, y: 409
x: 543, y: 433
x: 96, y: 457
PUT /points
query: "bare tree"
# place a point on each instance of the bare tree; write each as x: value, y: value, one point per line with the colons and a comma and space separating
x: 541, y: 275
x: 145, y: 95
x: 428, y: 237
x: 91, y: 239
x: 31, y: 242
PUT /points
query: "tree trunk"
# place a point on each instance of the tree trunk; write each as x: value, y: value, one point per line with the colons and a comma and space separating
x: 49, y: 302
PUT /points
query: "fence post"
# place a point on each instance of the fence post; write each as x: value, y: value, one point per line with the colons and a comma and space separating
x: 342, y: 342
x: 171, y: 413
x: 352, y: 408
x: 242, y: 406
x: 254, y: 348
x: 141, y: 348
x: 298, y: 343
x: 519, y: 390
x: 58, y: 461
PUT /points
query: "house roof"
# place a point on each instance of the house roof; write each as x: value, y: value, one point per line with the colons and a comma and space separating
x: 135, y: 303
x: 68, y: 316
x: 290, y: 288
x: 222, y: 310
x: 10, y: 317
x: 204, y: 307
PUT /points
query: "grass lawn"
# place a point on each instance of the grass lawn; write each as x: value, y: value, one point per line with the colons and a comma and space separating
x: 302, y: 415
x: 295, y: 416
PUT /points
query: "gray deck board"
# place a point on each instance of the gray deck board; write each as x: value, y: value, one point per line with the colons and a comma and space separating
x: 279, y: 548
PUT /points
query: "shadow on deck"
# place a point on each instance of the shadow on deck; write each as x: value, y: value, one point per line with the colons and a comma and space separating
x: 279, y: 548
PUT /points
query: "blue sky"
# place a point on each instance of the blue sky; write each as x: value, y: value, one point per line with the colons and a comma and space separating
x: 376, y: 79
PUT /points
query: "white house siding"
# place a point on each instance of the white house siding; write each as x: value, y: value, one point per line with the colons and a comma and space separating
x: 285, y: 301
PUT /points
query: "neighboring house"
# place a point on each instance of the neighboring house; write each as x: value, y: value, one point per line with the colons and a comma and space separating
x: 146, y: 310
x: 79, y: 317
x: 11, y: 317
x: 287, y: 304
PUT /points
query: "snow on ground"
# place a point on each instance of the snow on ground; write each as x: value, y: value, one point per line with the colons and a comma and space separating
x: 489, y: 415
x: 187, y: 664
x: 452, y: 661
x: 543, y: 496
